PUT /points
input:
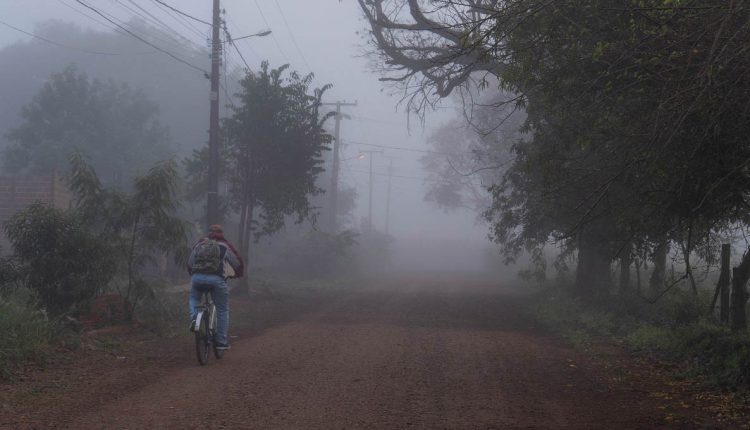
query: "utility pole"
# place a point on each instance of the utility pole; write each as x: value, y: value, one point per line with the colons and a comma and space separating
x: 388, y: 199
x: 212, y: 204
x: 369, y: 208
x: 335, y: 168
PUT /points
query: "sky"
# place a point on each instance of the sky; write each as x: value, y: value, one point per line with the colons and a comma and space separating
x: 320, y: 36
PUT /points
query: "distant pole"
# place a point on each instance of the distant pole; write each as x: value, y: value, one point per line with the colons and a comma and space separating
x: 724, y: 283
x: 212, y: 204
x: 388, y: 199
x: 369, y: 211
x: 334, y: 189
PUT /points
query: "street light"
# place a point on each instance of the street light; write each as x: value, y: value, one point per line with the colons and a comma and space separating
x: 357, y: 157
x: 261, y: 34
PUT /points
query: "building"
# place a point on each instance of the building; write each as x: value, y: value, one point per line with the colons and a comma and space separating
x: 18, y: 192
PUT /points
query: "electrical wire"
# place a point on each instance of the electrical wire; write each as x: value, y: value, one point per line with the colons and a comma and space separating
x: 231, y: 42
x: 177, y: 18
x: 245, y: 41
x: 164, y: 51
x: 291, y: 35
x: 263, y: 16
x: 80, y: 12
x: 158, y: 21
x: 400, y: 148
x: 183, y: 13
x: 51, y: 42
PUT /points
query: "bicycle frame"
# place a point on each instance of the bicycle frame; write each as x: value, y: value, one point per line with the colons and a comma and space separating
x: 205, y: 326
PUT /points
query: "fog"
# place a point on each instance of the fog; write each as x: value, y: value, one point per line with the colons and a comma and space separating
x: 322, y: 37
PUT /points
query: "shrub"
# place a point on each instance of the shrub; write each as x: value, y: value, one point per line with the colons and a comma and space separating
x: 26, y: 333
x: 59, y: 260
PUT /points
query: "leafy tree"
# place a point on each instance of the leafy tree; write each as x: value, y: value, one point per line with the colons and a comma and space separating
x: 272, y: 156
x: 636, y: 125
x: 139, y: 226
x: 116, y: 126
x: 58, y: 258
x: 177, y: 90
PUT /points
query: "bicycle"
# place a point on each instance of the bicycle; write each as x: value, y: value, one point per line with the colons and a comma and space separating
x: 205, y: 329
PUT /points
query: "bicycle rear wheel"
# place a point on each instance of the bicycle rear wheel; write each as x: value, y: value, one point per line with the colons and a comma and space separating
x: 218, y: 352
x: 202, y: 340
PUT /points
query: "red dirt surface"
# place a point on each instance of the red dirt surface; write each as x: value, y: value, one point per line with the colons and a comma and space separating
x: 412, y: 353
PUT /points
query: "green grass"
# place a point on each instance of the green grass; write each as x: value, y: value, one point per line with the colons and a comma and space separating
x: 677, y: 329
x: 26, y: 334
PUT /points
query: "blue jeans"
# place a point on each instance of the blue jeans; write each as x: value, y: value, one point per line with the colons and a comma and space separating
x: 219, y: 294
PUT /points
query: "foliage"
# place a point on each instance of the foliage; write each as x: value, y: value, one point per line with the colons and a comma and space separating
x: 59, y: 259
x: 115, y: 125
x: 26, y: 333
x: 139, y: 227
x: 635, y: 130
x: 272, y: 156
x: 676, y: 329
x: 318, y: 255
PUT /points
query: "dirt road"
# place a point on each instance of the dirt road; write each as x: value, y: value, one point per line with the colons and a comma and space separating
x: 409, y: 354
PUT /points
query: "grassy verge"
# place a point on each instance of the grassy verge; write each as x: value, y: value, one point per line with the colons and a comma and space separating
x: 677, y: 329
x: 26, y: 335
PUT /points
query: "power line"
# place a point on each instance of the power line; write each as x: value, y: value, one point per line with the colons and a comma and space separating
x: 142, y: 39
x: 56, y: 43
x: 263, y: 16
x: 400, y: 148
x: 157, y: 20
x: 182, y: 13
x: 291, y: 34
x: 245, y: 41
x: 231, y: 42
x: 78, y: 11
x: 179, y: 19
x: 382, y: 121
x: 386, y: 174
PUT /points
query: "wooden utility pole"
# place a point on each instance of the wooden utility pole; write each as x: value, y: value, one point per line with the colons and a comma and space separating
x: 212, y: 203
x: 388, y: 198
x: 369, y: 207
x: 334, y: 189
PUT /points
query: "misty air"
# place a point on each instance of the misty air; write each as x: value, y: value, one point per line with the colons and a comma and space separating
x: 374, y: 214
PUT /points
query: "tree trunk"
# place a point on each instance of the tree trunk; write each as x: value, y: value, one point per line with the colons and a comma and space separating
x: 638, y: 275
x: 241, y: 228
x: 688, y: 269
x: 593, y: 271
x: 656, y: 281
x: 725, y: 283
x: 626, y: 259
x: 740, y: 275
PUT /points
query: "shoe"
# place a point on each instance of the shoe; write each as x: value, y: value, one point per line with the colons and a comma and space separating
x: 223, y: 346
x: 192, y: 326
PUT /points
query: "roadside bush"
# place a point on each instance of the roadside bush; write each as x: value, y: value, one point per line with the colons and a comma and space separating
x: 676, y: 328
x: 318, y: 255
x: 26, y: 334
x: 58, y: 259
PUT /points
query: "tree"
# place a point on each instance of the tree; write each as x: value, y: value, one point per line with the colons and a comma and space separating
x: 273, y: 152
x: 61, y: 261
x: 177, y: 90
x: 138, y: 227
x: 635, y: 129
x: 116, y: 126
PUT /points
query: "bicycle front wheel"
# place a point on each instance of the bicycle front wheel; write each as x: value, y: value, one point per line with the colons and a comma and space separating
x: 202, y: 340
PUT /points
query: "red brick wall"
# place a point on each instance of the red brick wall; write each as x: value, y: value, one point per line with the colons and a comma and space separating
x: 18, y: 192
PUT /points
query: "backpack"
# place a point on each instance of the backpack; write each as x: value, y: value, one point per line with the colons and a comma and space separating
x: 207, y: 257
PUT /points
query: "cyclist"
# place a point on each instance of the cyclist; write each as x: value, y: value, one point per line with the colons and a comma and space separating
x: 212, y: 260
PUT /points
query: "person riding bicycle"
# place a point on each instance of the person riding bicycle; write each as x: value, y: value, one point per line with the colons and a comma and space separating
x: 212, y: 260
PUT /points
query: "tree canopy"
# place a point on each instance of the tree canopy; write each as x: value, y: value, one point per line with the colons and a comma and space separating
x: 636, y: 115
x: 117, y: 127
